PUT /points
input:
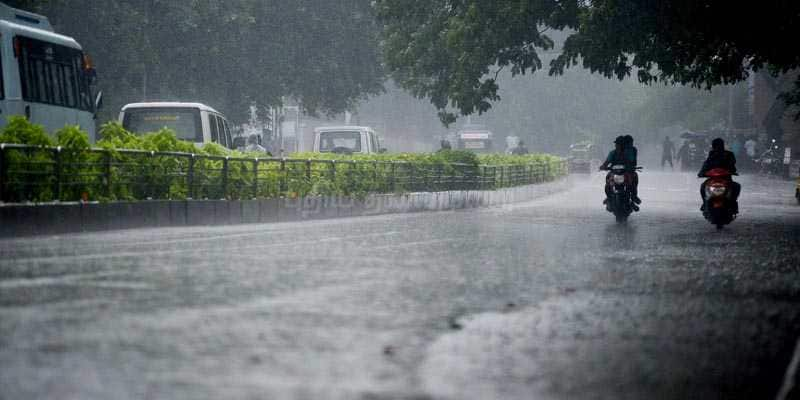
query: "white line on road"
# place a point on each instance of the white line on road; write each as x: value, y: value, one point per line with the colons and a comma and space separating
x: 790, y: 378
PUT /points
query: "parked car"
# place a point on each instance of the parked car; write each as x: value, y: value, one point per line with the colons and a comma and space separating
x: 192, y: 122
x: 347, y: 140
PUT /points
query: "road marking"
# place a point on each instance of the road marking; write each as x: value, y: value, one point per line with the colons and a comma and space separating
x: 791, y: 374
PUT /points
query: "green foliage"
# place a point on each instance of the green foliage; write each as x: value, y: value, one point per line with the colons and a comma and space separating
x: 159, y: 166
x: 451, y: 52
x: 226, y: 53
x: 71, y: 137
x: 21, y: 131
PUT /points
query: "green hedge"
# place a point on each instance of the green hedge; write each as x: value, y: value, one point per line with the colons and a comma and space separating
x: 64, y: 167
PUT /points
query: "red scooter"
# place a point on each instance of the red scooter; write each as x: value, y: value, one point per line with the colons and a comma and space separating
x: 720, y: 207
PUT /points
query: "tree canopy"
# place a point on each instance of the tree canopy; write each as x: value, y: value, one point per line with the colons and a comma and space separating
x: 451, y: 50
x: 226, y: 53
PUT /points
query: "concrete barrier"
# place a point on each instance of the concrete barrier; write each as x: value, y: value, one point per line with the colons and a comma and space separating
x: 18, y: 220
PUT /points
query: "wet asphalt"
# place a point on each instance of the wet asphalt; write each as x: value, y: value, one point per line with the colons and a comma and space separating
x: 549, y: 299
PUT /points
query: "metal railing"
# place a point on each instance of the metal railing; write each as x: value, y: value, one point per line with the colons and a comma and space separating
x: 43, y: 174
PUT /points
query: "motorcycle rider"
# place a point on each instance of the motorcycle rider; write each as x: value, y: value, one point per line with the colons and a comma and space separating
x: 718, y: 157
x: 624, y: 153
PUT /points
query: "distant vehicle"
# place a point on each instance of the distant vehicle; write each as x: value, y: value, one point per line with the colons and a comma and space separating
x: 192, y: 122
x: 45, y: 76
x: 474, y: 138
x: 580, y: 157
x: 347, y: 140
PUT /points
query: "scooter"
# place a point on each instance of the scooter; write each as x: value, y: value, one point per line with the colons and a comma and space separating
x: 719, y: 208
x: 620, y: 202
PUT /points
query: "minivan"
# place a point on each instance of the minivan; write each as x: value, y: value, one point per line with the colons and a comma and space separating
x: 192, y: 122
x: 346, y: 140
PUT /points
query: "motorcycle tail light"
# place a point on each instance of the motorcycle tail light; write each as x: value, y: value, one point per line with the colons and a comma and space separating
x: 715, y: 190
x: 619, y: 179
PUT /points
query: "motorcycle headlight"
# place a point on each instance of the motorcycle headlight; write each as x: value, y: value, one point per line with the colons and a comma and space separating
x: 619, y: 179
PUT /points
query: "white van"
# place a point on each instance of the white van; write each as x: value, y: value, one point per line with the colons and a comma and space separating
x: 192, y: 122
x: 346, y: 140
x: 45, y: 76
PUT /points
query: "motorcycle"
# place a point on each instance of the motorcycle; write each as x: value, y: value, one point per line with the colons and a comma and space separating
x: 770, y: 162
x: 620, y: 202
x: 719, y: 208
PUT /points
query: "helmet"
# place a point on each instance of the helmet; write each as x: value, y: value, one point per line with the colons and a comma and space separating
x: 619, y: 140
x: 628, y: 140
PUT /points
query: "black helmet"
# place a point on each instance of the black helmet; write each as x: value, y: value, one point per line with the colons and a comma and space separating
x: 628, y: 140
x: 619, y: 140
x: 718, y: 144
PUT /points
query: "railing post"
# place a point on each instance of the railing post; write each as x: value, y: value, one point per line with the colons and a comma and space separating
x: 190, y: 177
x: 283, y: 181
x: 502, y: 175
x: 57, y: 195
x: 109, y: 187
x: 392, y: 178
x: 225, y: 178
x: 2, y: 172
x: 152, y: 177
x: 439, y: 184
x: 375, y: 183
x: 411, y: 182
x: 308, y: 170
x: 255, y: 178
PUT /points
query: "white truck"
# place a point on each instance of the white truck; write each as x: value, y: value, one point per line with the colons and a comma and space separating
x: 45, y: 76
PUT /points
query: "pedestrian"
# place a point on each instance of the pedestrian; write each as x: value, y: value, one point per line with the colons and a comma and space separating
x: 520, y: 149
x: 737, y: 146
x: 683, y: 155
x: 445, y: 145
x: 667, y: 153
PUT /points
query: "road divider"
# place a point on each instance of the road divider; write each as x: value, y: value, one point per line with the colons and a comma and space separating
x: 71, y: 217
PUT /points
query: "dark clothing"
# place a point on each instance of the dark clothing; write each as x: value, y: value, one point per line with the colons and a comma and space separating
x: 519, y: 150
x: 667, y: 153
x: 719, y: 159
x: 668, y: 148
x: 627, y: 158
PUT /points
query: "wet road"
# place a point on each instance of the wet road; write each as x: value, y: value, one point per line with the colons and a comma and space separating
x: 549, y: 299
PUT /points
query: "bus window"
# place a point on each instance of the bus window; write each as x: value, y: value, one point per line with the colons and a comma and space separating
x: 212, y: 123
x: 227, y: 132
x: 373, y: 142
x: 223, y: 140
x: 185, y: 122
x: 51, y: 74
x: 2, y: 85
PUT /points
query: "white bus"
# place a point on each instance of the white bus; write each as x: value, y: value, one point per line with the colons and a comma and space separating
x: 45, y: 76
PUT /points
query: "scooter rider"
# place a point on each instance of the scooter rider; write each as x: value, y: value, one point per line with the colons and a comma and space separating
x: 623, y: 154
x: 718, y: 157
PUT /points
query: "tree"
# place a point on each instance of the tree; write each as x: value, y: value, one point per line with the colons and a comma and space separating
x: 227, y: 53
x: 451, y: 50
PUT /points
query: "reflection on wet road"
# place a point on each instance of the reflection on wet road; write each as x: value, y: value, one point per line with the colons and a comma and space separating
x: 545, y: 299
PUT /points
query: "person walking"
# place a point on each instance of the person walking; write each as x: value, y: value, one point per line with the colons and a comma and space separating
x: 667, y: 153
